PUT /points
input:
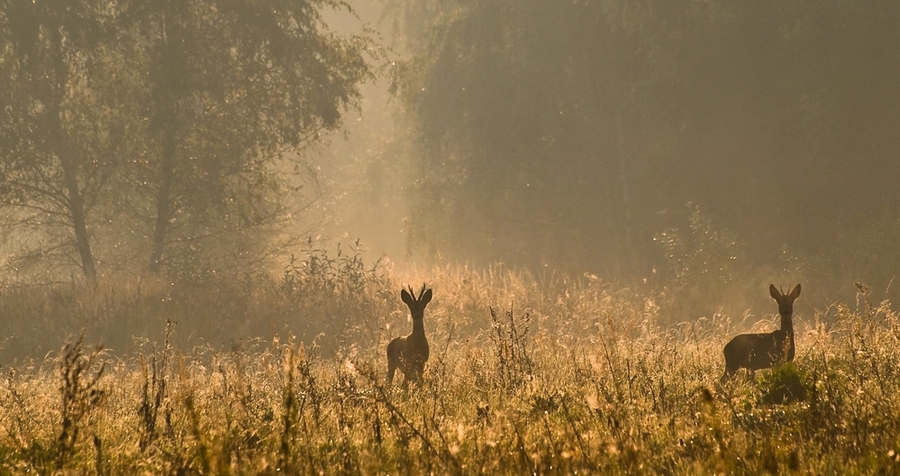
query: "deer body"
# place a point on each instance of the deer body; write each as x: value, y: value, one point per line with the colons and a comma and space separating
x: 410, y: 353
x: 762, y: 351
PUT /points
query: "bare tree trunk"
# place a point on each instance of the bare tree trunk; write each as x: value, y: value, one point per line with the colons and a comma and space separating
x: 170, y: 86
x: 79, y: 223
x: 163, y: 196
x: 65, y: 152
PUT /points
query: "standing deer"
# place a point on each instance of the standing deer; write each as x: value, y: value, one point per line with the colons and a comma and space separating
x: 410, y: 353
x: 762, y: 351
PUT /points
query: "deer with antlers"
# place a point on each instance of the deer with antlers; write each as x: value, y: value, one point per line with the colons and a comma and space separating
x: 410, y: 353
x: 763, y: 351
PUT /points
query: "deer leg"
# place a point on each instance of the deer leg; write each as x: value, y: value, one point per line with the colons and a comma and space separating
x: 390, y: 374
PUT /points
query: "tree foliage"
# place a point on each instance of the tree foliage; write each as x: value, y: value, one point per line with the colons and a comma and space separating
x: 59, y: 137
x: 166, y: 124
x: 234, y: 85
x: 574, y: 132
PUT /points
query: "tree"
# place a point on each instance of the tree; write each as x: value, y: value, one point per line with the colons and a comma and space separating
x: 59, y: 141
x: 172, y: 121
x: 526, y: 112
x: 235, y: 87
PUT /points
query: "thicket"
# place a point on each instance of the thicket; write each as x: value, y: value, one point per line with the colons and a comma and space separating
x: 528, y: 374
x: 570, y: 133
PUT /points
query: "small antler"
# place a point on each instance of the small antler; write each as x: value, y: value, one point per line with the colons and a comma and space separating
x: 412, y: 292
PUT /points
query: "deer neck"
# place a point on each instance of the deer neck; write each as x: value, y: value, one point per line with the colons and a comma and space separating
x: 418, y: 332
x: 787, y: 325
x: 787, y: 329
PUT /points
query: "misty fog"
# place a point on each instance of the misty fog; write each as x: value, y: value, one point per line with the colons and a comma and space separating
x: 713, y: 142
x: 221, y: 222
x: 699, y: 148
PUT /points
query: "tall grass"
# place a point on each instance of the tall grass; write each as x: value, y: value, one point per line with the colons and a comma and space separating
x: 548, y: 374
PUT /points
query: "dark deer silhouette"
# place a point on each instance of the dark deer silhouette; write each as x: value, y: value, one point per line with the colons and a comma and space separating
x: 410, y: 353
x: 762, y: 351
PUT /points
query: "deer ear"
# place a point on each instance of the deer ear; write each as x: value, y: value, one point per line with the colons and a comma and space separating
x: 426, y: 298
x: 406, y: 297
x: 796, y: 292
x: 774, y: 292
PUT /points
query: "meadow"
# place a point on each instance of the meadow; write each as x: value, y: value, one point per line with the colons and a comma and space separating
x: 549, y: 374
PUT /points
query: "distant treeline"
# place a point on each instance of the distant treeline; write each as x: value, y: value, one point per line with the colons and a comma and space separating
x: 577, y: 133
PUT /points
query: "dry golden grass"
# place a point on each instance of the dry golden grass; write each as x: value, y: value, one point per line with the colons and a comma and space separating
x: 552, y: 375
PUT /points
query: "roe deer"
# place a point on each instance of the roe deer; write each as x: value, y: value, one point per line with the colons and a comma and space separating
x: 762, y: 351
x: 410, y: 353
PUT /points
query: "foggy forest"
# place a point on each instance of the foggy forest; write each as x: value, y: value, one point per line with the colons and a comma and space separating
x: 219, y: 219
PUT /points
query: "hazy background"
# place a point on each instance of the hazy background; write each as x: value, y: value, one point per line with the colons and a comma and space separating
x: 698, y: 147
x: 701, y: 143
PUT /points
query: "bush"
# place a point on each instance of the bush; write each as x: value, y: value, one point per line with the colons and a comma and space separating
x: 785, y: 383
